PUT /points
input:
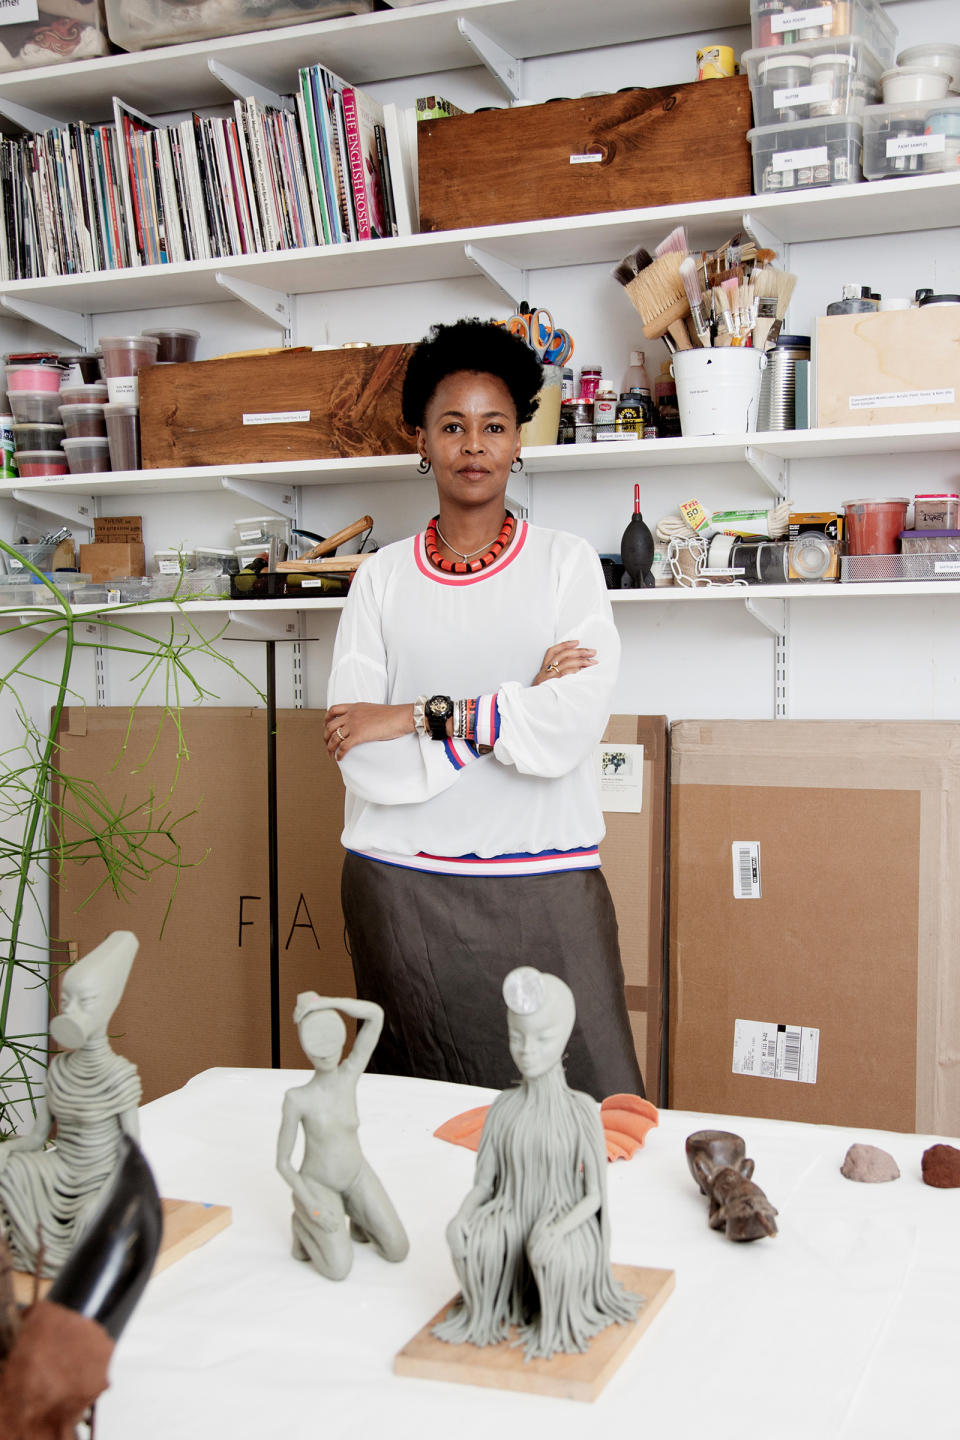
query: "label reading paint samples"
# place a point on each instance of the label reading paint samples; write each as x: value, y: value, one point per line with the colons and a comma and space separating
x: 801, y: 95
x: 746, y: 869
x: 799, y: 159
x: 801, y: 19
x: 772, y: 1051
x: 276, y: 417
x: 893, y: 399
x: 915, y: 145
x: 585, y: 159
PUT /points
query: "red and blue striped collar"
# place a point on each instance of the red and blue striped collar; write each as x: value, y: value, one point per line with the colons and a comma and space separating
x: 507, y: 558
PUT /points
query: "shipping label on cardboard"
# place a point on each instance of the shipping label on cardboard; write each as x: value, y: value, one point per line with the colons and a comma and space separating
x: 894, y: 399
x: 619, y: 770
x: 771, y: 1051
x: 746, y: 869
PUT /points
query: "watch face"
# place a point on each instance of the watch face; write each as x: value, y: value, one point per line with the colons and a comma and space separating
x: 438, y: 705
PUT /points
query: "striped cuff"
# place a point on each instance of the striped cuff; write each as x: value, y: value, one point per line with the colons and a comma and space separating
x: 488, y: 720
x: 459, y: 752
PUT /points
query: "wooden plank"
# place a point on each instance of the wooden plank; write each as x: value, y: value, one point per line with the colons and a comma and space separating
x: 187, y: 1224
x: 566, y: 1377
x: 662, y: 146
x: 348, y: 402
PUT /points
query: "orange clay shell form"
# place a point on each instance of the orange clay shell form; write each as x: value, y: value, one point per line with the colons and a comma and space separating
x: 626, y: 1121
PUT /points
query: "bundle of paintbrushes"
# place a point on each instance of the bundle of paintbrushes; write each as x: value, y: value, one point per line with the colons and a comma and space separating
x: 730, y: 296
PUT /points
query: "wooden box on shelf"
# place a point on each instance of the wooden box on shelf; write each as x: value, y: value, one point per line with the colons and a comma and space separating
x: 661, y: 146
x: 289, y: 405
x: 895, y: 368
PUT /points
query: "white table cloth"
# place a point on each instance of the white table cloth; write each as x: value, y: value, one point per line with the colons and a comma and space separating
x: 845, y: 1325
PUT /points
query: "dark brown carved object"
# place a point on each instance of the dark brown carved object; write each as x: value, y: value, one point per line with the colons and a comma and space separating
x: 660, y: 146
x: 321, y: 404
x: 719, y: 1164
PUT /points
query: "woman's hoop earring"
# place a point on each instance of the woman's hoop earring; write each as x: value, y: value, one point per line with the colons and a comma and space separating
x: 424, y: 466
x: 517, y: 466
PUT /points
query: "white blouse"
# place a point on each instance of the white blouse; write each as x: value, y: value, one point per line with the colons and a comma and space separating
x: 409, y: 629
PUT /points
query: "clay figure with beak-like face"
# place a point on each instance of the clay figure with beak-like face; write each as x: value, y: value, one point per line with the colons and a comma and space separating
x: 91, y: 991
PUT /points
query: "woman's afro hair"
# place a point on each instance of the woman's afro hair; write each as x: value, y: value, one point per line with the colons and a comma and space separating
x: 480, y: 347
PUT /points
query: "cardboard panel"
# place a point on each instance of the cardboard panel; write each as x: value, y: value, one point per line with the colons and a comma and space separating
x: 658, y: 146
x: 199, y: 996
x: 855, y: 933
x: 896, y: 368
x: 633, y: 858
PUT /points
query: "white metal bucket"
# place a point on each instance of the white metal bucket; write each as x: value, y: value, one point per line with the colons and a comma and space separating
x: 718, y: 390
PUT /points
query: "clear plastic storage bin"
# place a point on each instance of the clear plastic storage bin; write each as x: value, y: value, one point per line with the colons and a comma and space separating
x: 779, y: 22
x: 67, y: 30
x: 807, y: 154
x: 931, y: 542
x: 812, y: 81
x: 141, y: 24
x: 920, y: 137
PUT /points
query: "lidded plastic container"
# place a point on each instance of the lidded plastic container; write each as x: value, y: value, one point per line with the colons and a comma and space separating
x: 781, y: 22
x: 811, y: 81
x: 92, y: 394
x: 939, y: 53
x: 936, y: 512
x: 930, y: 542
x: 221, y: 561
x: 32, y: 377
x: 40, y: 462
x: 918, y: 137
x: 158, y: 22
x: 873, y: 527
x: 61, y: 32
x: 34, y: 407
x: 175, y: 345
x: 123, y: 432
x: 83, y: 420
x: 259, y: 529
x: 87, y: 454
x: 914, y: 82
x: 807, y: 154
x: 173, y: 561
x: 31, y: 436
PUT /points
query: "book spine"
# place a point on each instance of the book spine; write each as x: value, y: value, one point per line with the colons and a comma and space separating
x: 354, y: 144
x: 386, y: 185
x: 262, y: 177
x: 243, y: 150
x: 344, y: 192
x: 325, y: 139
x: 311, y: 147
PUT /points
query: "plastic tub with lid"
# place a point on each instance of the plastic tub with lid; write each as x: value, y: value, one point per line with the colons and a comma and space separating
x: 807, y: 154
x: 175, y: 345
x: 872, y: 527
x: 915, y: 137
x: 83, y: 420
x: 34, y: 407
x: 87, y: 454
x: 780, y: 22
x: 941, y: 53
x: 812, y: 81
x: 914, y: 82
x: 60, y: 31
x: 31, y: 436
x: 32, y: 463
x: 141, y: 24
x: 936, y: 512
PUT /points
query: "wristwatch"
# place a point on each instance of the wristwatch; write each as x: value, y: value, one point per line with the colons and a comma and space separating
x: 437, y: 712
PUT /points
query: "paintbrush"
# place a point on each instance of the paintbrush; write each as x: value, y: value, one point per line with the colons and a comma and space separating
x: 631, y: 265
x: 774, y: 289
x: 675, y: 243
x: 690, y: 276
x: 657, y: 294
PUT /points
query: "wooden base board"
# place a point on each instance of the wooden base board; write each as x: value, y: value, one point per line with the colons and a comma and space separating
x: 187, y: 1224
x: 567, y: 1377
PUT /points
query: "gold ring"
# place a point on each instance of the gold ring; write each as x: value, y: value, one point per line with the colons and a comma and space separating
x: 554, y: 666
x: 340, y: 733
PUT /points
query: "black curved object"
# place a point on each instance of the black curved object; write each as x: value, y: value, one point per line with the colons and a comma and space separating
x: 106, y: 1272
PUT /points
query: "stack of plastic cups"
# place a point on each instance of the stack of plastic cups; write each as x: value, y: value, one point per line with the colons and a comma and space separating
x: 124, y: 356
x: 32, y: 389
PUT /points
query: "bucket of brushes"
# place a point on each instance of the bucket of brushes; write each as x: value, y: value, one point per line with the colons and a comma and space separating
x: 718, y: 390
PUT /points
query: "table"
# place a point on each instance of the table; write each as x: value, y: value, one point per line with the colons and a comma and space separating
x: 845, y: 1325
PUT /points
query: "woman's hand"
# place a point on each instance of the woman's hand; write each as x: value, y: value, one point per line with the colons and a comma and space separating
x: 358, y: 722
x: 564, y: 659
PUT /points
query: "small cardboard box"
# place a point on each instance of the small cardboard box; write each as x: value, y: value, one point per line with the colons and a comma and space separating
x: 289, y: 405
x: 109, y: 560
x: 633, y: 856
x: 830, y: 991
x: 658, y: 146
x: 897, y: 367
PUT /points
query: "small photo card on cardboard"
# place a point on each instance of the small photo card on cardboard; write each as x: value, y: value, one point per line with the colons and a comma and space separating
x: 620, y: 777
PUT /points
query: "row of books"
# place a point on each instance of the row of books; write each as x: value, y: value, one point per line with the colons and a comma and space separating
x: 314, y: 170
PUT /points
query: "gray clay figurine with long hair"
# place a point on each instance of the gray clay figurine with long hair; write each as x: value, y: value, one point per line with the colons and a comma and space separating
x: 531, y: 1241
x: 334, y: 1183
x: 47, y: 1196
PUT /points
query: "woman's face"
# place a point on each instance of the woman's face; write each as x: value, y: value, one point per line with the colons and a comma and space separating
x: 470, y: 436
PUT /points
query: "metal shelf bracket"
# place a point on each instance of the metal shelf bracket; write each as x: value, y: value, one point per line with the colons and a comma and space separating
x: 27, y: 119
x: 771, y: 614
x: 281, y: 500
x: 65, y: 323
x: 507, y: 278
x: 244, y: 88
x: 71, y: 509
x: 273, y: 305
x: 505, y: 68
x: 771, y: 470
x: 761, y: 233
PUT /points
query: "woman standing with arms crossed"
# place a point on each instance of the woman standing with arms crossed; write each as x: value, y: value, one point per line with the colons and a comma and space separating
x: 471, y: 682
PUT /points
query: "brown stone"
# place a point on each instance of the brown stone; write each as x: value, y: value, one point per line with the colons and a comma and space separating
x: 941, y: 1167
x: 870, y: 1164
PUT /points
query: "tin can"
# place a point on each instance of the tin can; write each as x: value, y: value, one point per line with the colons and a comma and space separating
x: 583, y: 422
x: 567, y: 429
x: 8, y: 468
x: 716, y: 62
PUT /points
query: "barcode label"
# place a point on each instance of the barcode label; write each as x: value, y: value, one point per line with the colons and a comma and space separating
x: 771, y: 1051
x: 746, y: 870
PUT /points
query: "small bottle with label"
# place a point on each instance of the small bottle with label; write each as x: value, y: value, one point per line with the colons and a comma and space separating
x: 851, y: 302
x: 605, y: 413
x: 583, y: 422
x: 567, y: 429
x: 630, y: 415
x: 636, y: 377
x: 591, y: 378
x: 568, y: 388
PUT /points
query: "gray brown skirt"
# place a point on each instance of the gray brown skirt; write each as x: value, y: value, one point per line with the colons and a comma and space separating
x: 433, y: 951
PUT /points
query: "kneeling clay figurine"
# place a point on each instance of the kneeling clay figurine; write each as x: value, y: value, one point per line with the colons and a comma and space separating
x: 334, y: 1182
x: 718, y: 1162
x: 531, y: 1241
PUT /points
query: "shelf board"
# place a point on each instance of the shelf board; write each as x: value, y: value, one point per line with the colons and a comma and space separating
x: 422, y: 39
x: 889, y: 207
x: 852, y: 442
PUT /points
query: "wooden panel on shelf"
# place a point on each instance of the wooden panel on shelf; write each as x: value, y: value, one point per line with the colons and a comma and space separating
x: 338, y: 403
x: 666, y: 145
